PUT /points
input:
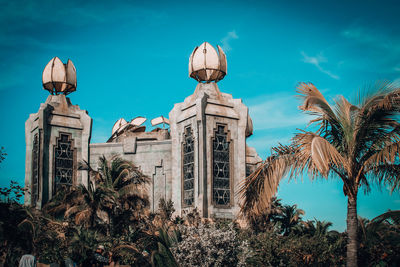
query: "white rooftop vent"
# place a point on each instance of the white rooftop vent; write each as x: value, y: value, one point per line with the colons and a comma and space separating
x: 206, y: 65
x: 159, y: 120
x: 118, y: 124
x: 58, y: 77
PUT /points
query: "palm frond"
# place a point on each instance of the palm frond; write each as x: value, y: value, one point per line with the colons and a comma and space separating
x: 134, y: 189
x: 387, y: 155
x: 72, y: 211
x: 387, y: 174
x: 258, y: 189
x: 126, y: 247
x: 316, y: 154
x: 391, y: 216
x: 82, y: 217
x: 313, y: 101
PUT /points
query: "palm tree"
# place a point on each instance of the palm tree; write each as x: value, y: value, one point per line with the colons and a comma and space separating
x: 93, y: 205
x: 130, y: 187
x: 63, y: 200
x: 123, y: 177
x: 321, y: 228
x: 289, y: 218
x: 359, y: 144
x: 379, y: 239
x: 267, y: 219
x: 83, y: 240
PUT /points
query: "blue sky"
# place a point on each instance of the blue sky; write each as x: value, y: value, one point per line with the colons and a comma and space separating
x: 131, y: 59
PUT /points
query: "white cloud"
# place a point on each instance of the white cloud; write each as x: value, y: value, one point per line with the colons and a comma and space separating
x: 275, y: 120
x: 371, y: 37
x: 316, y: 61
x: 227, y: 39
x: 263, y: 142
x: 277, y: 112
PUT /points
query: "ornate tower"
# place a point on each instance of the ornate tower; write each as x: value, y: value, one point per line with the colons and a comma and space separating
x: 57, y: 137
x: 209, y: 131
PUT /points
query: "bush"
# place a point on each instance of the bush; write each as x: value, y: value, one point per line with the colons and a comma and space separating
x: 206, y: 245
x: 272, y: 249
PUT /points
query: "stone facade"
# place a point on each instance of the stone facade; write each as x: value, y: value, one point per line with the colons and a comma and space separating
x: 57, y: 138
x: 198, y: 162
x: 215, y: 119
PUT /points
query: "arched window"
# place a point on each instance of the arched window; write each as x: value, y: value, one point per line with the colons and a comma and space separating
x: 35, y: 170
x: 63, y: 161
x: 188, y: 167
x: 221, y: 167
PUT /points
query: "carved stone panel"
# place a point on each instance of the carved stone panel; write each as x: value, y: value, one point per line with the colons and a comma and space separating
x: 159, y: 186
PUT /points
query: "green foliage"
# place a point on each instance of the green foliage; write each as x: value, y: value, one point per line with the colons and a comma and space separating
x: 2, y: 154
x: 205, y: 245
x: 267, y: 220
x: 166, y: 208
x: 272, y: 249
x: 380, y: 240
x: 13, y: 193
x: 14, y: 241
x: 79, y: 219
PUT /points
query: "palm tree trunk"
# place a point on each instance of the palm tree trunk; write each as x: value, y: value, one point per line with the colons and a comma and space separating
x: 352, y: 224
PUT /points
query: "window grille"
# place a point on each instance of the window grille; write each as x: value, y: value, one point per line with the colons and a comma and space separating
x: 35, y: 170
x: 64, y: 161
x: 221, y: 167
x: 188, y: 167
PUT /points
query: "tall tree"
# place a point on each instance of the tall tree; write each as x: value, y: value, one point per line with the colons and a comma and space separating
x: 92, y: 205
x: 130, y: 187
x: 289, y: 218
x: 359, y: 144
x: 123, y: 177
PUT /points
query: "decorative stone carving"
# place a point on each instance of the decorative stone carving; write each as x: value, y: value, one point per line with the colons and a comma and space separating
x: 159, y: 184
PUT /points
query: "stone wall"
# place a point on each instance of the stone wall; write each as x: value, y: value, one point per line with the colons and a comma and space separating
x: 152, y: 157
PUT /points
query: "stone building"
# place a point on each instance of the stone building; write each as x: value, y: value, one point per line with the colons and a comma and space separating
x: 198, y: 162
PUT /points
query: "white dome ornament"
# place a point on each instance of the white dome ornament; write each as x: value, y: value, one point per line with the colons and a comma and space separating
x: 206, y: 65
x: 59, y: 78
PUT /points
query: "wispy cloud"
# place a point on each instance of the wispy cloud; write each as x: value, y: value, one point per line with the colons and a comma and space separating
x: 227, y: 39
x: 264, y: 141
x: 316, y: 61
x: 373, y: 37
x: 275, y: 120
x: 382, y: 47
x: 277, y: 111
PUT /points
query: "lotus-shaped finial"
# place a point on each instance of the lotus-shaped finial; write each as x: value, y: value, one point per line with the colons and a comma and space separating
x: 59, y: 78
x: 206, y: 65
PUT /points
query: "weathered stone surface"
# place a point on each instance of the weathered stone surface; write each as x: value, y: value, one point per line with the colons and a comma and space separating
x: 56, y: 116
x: 158, y: 153
x: 203, y: 111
